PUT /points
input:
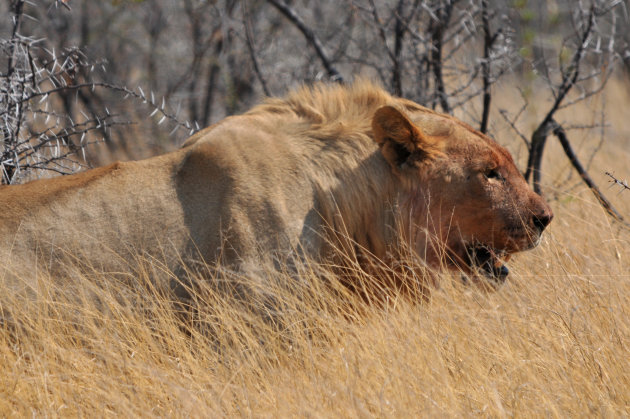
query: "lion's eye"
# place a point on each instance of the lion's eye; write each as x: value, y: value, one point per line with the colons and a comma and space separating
x: 493, y: 174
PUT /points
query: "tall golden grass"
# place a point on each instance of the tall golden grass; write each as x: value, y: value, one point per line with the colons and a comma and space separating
x: 553, y: 341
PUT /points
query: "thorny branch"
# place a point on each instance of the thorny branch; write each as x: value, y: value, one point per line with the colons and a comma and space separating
x: 622, y: 183
x: 34, y: 137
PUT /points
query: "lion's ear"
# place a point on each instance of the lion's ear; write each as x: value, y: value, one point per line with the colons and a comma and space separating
x: 398, y: 138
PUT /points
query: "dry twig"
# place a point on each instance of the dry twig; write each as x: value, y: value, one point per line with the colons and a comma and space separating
x: 310, y: 36
x: 622, y: 183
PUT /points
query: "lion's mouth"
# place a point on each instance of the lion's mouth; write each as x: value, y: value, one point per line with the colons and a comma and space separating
x: 488, y: 261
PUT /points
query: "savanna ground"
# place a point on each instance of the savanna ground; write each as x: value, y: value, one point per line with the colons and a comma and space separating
x: 553, y: 341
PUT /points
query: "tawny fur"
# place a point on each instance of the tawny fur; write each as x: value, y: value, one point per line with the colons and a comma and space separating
x: 287, y: 179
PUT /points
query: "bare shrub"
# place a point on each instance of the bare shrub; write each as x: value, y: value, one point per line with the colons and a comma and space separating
x: 49, y: 113
x: 35, y: 135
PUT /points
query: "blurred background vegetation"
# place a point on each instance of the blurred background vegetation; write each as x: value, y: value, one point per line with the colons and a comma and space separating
x: 195, y: 62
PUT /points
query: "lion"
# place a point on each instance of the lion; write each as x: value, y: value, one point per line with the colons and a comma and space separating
x: 326, y: 169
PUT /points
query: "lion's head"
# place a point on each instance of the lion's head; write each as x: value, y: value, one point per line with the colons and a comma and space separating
x: 467, y: 206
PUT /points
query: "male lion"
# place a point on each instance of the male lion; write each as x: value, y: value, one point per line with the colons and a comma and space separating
x: 323, y: 170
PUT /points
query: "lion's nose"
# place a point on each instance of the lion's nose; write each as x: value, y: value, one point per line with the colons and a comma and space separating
x: 542, y: 220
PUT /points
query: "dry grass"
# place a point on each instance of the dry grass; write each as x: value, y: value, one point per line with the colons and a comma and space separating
x: 554, y: 341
